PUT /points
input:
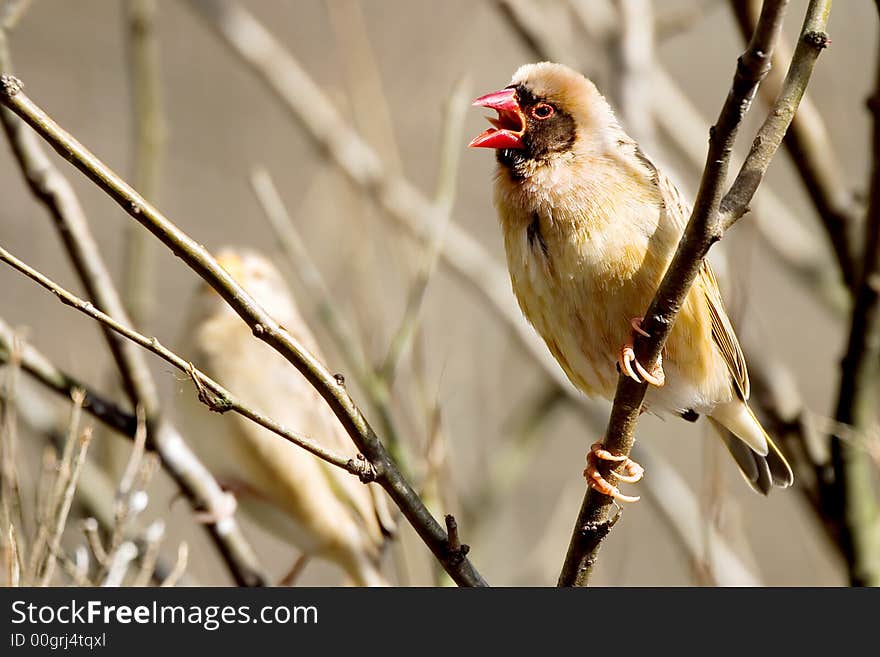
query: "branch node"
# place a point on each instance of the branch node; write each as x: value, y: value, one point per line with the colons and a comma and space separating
x: 818, y: 39
x: 455, y: 549
x: 258, y: 330
x: 10, y: 85
x: 362, y: 468
x: 214, y: 400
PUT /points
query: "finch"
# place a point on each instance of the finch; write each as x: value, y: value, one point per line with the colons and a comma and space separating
x: 323, y: 510
x: 590, y: 226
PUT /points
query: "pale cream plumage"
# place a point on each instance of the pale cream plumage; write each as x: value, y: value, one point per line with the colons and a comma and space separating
x: 323, y: 510
x: 590, y: 226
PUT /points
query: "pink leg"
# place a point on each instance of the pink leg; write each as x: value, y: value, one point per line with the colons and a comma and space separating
x: 298, y: 566
x: 226, y: 510
x: 626, y: 359
x: 632, y: 472
x: 233, y: 488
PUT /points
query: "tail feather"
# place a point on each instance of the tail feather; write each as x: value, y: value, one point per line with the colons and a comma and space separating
x: 759, y: 459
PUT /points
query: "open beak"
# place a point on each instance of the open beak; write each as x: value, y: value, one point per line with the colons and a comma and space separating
x: 510, y: 125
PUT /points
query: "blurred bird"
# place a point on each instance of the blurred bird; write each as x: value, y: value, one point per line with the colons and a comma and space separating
x: 590, y: 226
x: 320, y: 508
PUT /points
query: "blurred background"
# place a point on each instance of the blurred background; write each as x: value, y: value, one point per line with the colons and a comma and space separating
x: 482, y: 427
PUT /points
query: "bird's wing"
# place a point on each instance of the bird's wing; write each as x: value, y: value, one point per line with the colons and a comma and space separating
x: 723, y: 335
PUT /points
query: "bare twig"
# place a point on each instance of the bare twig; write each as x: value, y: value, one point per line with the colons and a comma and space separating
x: 262, y: 324
x: 14, y: 564
x: 119, y: 562
x: 59, y: 518
x: 40, y: 368
x: 211, y: 393
x: 713, y: 213
x: 150, y: 134
x: 46, y: 521
x: 149, y: 553
x: 812, y: 153
x: 179, y: 566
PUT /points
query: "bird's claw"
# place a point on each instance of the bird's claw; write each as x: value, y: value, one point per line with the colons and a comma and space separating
x: 632, y: 472
x: 225, y: 510
x: 626, y: 360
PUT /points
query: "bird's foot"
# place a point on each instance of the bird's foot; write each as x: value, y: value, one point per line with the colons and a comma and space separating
x: 298, y: 566
x: 225, y: 510
x: 631, y: 472
x: 626, y: 360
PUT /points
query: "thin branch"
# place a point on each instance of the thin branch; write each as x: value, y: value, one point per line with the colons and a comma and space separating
x: 59, y: 520
x: 852, y: 496
x: 142, y: 42
x: 812, y: 154
x: 211, y: 393
x: 262, y: 324
x: 40, y: 368
x: 713, y: 213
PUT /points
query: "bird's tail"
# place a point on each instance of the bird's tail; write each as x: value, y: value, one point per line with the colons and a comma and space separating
x: 759, y: 459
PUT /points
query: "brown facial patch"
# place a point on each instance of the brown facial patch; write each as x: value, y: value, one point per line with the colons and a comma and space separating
x: 543, y: 137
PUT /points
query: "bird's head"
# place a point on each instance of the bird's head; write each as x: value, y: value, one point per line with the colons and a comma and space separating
x: 547, y: 109
x: 258, y: 276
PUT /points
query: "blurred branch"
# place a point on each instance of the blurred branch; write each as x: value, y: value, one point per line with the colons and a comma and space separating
x: 38, y: 366
x: 11, y: 12
x: 55, y: 192
x: 634, y: 63
x: 713, y: 213
x: 725, y: 568
x: 71, y: 468
x: 139, y: 268
x: 852, y: 496
x: 96, y: 494
x: 812, y: 153
x: 262, y: 324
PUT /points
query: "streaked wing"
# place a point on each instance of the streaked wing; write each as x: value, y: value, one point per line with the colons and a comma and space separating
x: 723, y: 334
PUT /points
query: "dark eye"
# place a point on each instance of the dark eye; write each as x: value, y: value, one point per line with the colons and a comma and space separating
x: 542, y: 111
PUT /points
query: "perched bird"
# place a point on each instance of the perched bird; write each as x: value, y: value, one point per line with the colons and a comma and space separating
x: 323, y: 510
x: 590, y: 226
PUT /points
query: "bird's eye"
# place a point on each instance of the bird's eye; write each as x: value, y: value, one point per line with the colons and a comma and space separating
x: 542, y: 111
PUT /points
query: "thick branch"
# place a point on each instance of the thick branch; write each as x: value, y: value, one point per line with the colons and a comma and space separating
x: 711, y: 216
x: 262, y: 324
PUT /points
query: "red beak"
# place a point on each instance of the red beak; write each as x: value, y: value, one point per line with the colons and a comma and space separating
x: 509, y: 126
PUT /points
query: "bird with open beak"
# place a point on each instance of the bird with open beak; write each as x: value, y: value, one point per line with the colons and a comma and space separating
x: 590, y: 226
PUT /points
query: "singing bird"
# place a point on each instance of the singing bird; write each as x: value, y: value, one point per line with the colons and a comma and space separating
x: 323, y: 510
x: 590, y: 226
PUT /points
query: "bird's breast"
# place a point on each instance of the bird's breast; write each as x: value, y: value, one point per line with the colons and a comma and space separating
x: 581, y: 267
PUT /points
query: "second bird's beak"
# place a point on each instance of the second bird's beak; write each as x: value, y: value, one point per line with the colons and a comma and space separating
x: 510, y: 125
